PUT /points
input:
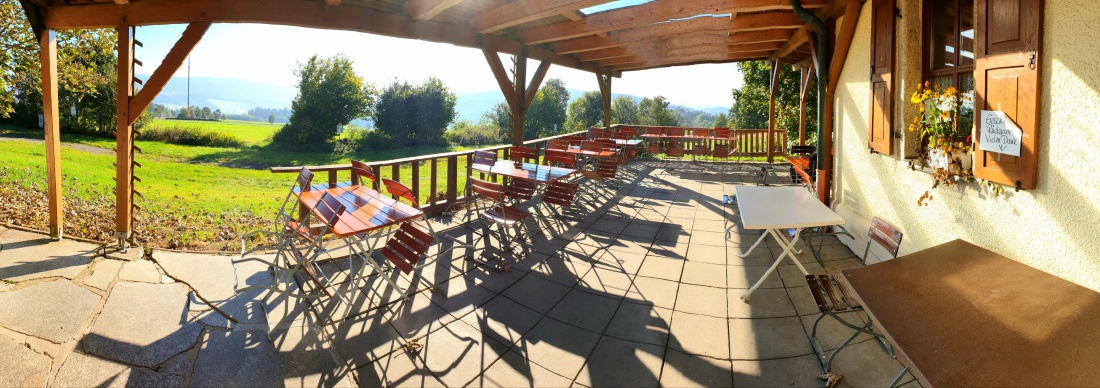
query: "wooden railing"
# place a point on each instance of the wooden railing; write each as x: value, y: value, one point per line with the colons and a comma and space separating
x: 754, y: 142
x: 438, y: 180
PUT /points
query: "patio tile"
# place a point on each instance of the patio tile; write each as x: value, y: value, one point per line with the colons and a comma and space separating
x: 803, y: 302
x: 364, y: 339
x: 701, y: 253
x: 830, y: 333
x: 27, y: 256
x: 305, y: 359
x: 703, y: 274
x: 417, y: 316
x: 585, y: 310
x: 57, y: 311
x: 743, y: 277
x: 140, y: 271
x: 865, y: 364
x: 503, y: 320
x: 210, y: 276
x: 459, y: 296
x: 653, y: 291
x: 701, y: 300
x: 708, y: 238
x: 397, y: 369
x: 766, y: 338
x: 609, y: 226
x: 792, y: 277
x: 628, y: 263
x: 492, y: 279
x: 81, y: 370
x: 709, y: 225
x: 457, y: 353
x: 236, y: 359
x: 669, y: 249
x: 784, y: 372
x: 640, y: 323
x: 662, y: 268
x: 766, y: 303
x: 605, y: 282
x: 557, y: 346
x: 616, y: 362
x: 103, y: 274
x: 699, y: 334
x: 140, y: 324
x: 512, y: 370
x: 686, y: 370
x: 631, y: 245
x: 23, y: 367
x: 536, y: 293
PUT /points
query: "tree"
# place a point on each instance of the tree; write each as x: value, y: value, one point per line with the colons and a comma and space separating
x: 271, y: 119
x: 329, y: 94
x: 586, y: 111
x: 86, y: 72
x: 184, y: 113
x: 720, y: 120
x: 624, y: 110
x: 547, y: 110
x: 415, y: 114
x: 500, y: 116
x: 750, y: 103
x: 655, y: 111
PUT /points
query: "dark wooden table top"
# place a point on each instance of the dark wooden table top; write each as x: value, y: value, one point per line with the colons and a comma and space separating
x: 579, y: 151
x: 528, y: 171
x: 960, y: 315
x: 366, y: 210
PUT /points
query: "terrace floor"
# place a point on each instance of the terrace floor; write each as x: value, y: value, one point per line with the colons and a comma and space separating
x: 642, y: 289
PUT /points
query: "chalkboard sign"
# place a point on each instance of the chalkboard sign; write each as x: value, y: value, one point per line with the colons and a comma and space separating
x: 999, y: 133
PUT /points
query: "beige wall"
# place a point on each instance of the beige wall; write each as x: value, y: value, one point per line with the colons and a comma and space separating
x: 1055, y: 227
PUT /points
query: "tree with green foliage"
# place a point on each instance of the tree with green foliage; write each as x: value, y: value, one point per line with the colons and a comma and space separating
x: 624, y: 110
x: 415, y: 114
x: 184, y: 113
x: 655, y: 111
x: 86, y: 74
x: 720, y: 121
x: 500, y: 115
x: 329, y: 94
x: 585, y: 112
x: 547, y: 110
x: 271, y: 119
x: 750, y: 102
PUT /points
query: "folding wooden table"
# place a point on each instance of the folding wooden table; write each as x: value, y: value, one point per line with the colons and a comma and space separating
x: 527, y: 171
x: 776, y: 209
x: 960, y: 315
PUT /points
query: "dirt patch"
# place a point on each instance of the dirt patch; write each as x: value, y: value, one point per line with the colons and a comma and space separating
x: 75, y: 146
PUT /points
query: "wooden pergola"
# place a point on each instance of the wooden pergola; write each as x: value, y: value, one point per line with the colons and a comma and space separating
x: 660, y: 33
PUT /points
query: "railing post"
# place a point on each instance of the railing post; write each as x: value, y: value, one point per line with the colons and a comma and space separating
x: 452, y: 179
x: 332, y: 179
x: 434, y: 189
x: 415, y: 179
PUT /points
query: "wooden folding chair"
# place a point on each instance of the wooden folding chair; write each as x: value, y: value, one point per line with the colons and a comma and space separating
x: 557, y: 144
x: 519, y: 189
x: 500, y: 214
x: 360, y: 172
x: 675, y: 143
x: 700, y: 142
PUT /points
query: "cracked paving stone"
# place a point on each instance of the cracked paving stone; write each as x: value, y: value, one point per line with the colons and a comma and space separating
x: 210, y: 276
x: 56, y: 311
x: 28, y: 256
x: 22, y: 367
x: 103, y: 273
x: 143, y: 324
x: 140, y: 271
x: 81, y: 370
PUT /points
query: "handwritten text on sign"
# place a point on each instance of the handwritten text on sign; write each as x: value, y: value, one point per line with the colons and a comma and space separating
x: 999, y: 134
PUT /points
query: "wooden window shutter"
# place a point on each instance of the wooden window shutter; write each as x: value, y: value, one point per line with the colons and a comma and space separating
x: 880, y: 129
x: 1006, y: 78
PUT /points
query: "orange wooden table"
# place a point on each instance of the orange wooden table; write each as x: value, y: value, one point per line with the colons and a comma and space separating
x: 527, y: 171
x: 366, y: 211
x: 960, y: 315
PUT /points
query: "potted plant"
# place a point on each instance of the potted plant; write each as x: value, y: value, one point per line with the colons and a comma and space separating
x: 945, y: 122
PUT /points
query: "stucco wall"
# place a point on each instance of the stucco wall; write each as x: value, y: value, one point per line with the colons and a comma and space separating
x: 1055, y: 227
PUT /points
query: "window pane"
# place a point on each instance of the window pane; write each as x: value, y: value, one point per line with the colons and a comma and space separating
x: 966, y: 104
x: 943, y: 36
x: 966, y: 38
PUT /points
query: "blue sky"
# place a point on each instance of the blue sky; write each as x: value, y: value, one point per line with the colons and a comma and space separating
x: 269, y: 53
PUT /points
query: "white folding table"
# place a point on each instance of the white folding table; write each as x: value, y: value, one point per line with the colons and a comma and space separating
x: 776, y: 209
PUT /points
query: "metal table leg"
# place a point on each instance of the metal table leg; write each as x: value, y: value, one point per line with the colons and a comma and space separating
x: 786, y: 252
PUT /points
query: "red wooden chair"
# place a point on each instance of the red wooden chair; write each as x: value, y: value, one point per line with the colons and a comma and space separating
x: 654, y: 145
x: 700, y: 145
x: 557, y: 144
x: 500, y: 214
x: 558, y: 158
x: 518, y: 189
x: 675, y: 143
x: 559, y: 196
x: 524, y: 154
x: 359, y: 171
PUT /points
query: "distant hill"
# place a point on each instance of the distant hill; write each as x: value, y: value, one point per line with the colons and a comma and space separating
x: 237, y: 96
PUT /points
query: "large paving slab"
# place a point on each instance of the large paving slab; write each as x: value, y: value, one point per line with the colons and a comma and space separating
x: 140, y: 271
x: 143, y: 324
x: 57, y: 311
x: 21, y: 366
x: 211, y: 276
x: 103, y: 273
x: 236, y: 359
x: 27, y: 256
x: 81, y: 370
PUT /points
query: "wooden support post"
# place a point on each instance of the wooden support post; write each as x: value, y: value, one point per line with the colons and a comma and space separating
x: 167, y: 68
x: 124, y: 171
x: 47, y: 41
x: 519, y: 112
x: 771, y: 109
x: 804, y: 93
x: 605, y: 91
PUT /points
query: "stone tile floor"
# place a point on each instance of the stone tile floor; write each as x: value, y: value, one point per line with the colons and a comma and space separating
x: 641, y: 288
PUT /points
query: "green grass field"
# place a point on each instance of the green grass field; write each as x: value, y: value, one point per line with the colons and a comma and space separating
x: 249, y: 132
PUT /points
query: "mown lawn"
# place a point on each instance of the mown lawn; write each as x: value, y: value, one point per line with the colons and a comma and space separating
x: 249, y: 132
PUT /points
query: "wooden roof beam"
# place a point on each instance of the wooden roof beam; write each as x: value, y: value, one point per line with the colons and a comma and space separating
x: 765, y: 21
x: 347, y: 17
x: 800, y: 37
x: 427, y: 9
x: 701, y: 25
x: 727, y: 58
x: 649, y: 13
x: 668, y: 54
x: 668, y: 43
x: 524, y: 11
x: 779, y: 35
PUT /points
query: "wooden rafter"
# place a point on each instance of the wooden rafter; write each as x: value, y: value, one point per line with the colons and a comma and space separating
x: 765, y: 21
x: 759, y: 36
x: 656, y: 45
x: 646, y: 65
x: 800, y: 37
x: 172, y: 62
x: 501, y: 75
x: 524, y: 11
x: 843, y: 43
x: 700, y: 25
x: 348, y: 17
x: 716, y: 51
x: 427, y: 9
x: 649, y: 13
